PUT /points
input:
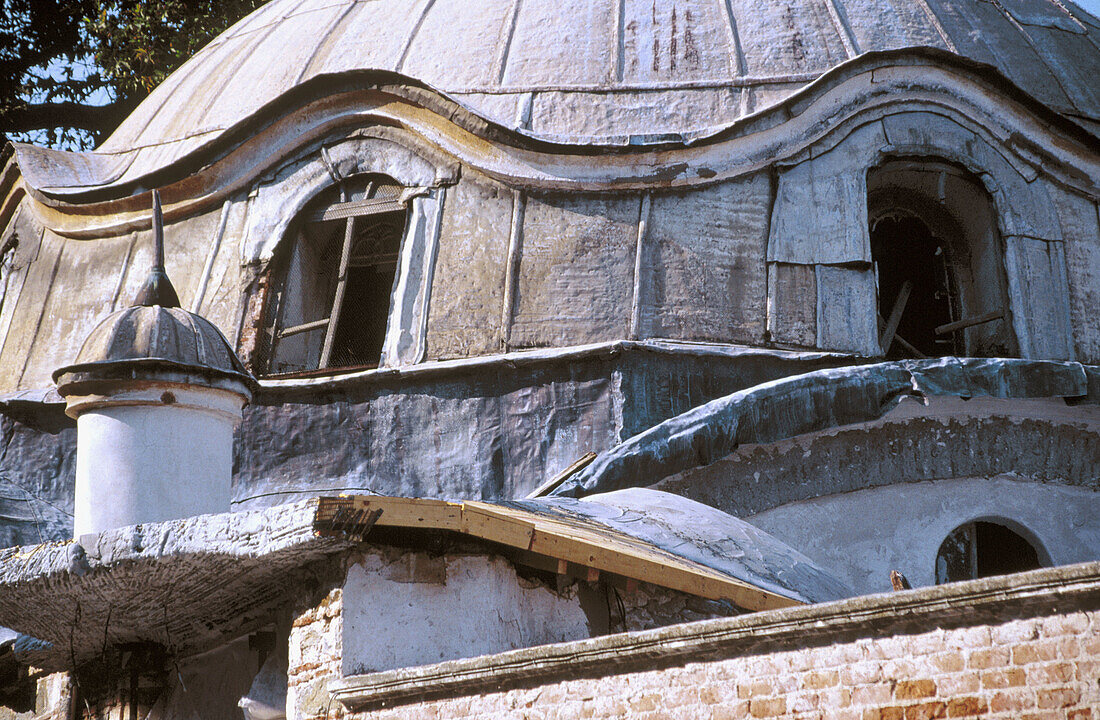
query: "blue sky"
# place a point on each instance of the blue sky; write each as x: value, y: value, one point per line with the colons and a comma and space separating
x: 1093, y: 6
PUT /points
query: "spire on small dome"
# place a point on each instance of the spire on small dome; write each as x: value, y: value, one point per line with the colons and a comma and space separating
x: 157, y: 289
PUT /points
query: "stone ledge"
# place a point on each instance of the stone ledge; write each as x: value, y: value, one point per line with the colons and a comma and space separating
x: 1060, y: 589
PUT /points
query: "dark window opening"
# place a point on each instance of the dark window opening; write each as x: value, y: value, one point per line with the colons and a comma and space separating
x: 983, y: 549
x: 332, y: 307
x: 915, y: 289
x: 939, y: 262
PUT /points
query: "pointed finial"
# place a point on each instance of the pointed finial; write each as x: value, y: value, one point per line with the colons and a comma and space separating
x: 157, y: 289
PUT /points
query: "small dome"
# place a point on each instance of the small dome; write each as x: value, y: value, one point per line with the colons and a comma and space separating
x: 139, y: 341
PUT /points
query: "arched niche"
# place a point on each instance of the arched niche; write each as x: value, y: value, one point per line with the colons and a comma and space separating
x: 819, y: 249
x: 938, y: 260
x: 988, y: 546
x: 277, y: 204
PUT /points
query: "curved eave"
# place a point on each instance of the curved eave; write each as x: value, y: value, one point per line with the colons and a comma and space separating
x: 86, y: 195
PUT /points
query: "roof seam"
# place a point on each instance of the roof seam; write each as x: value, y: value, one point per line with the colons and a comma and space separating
x: 843, y: 31
x: 412, y: 34
x: 740, y: 66
x: 506, y: 46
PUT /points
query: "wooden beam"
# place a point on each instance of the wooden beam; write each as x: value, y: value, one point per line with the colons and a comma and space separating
x: 548, y: 487
x: 970, y: 322
x: 569, y: 543
x: 891, y: 328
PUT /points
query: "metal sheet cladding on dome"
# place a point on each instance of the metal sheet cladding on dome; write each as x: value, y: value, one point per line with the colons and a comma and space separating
x: 701, y: 534
x: 587, y: 72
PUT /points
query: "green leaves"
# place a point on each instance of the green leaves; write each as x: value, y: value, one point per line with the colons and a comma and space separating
x: 107, y: 53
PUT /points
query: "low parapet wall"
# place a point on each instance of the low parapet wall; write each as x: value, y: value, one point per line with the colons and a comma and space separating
x: 1025, y: 645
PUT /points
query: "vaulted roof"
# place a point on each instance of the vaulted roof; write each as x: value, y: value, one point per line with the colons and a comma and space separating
x: 587, y: 71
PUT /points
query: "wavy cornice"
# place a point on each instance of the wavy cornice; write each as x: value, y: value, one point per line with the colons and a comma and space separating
x: 106, y: 195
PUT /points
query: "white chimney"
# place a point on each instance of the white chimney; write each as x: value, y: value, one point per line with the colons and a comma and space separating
x: 156, y: 392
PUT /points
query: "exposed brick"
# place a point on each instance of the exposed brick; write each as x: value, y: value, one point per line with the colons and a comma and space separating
x: 997, y: 679
x: 1072, y: 624
x: 1051, y: 673
x: 755, y: 689
x: 884, y: 713
x: 993, y: 657
x: 879, y: 694
x: 926, y: 711
x: 966, y: 707
x: 947, y: 662
x: 819, y: 680
x: 959, y: 683
x: 1011, y: 701
x: 769, y: 707
x: 1080, y: 714
x: 1058, y: 697
x: 914, y: 689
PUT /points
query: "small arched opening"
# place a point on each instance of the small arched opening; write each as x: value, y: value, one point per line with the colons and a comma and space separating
x: 983, y: 548
x: 939, y: 262
x: 330, y: 302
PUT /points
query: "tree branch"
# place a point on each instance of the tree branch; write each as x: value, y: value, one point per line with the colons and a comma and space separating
x: 44, y: 116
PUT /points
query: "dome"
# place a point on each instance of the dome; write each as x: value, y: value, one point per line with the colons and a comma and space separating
x: 142, y: 341
x: 586, y: 72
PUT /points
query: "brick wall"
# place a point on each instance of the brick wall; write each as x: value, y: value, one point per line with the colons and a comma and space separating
x: 991, y: 649
x: 314, y: 657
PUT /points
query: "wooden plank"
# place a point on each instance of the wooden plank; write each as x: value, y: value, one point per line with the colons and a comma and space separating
x: 570, y: 544
x: 887, y: 338
x: 970, y: 322
x: 396, y: 512
x: 547, y: 487
x: 610, y: 551
x: 509, y: 529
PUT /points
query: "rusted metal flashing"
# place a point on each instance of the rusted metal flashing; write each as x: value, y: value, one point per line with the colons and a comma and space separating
x: 910, y: 611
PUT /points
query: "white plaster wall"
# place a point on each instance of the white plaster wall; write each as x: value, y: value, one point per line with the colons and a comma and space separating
x: 412, y: 610
x: 863, y: 535
x: 149, y: 463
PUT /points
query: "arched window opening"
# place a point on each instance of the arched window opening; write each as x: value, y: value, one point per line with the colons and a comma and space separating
x: 915, y: 287
x: 939, y: 263
x: 331, y: 306
x: 982, y: 549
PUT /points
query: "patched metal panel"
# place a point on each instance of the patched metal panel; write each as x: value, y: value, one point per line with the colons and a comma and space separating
x: 293, y: 40
x: 820, y: 216
x: 472, y: 53
x: 351, y: 44
x: 1080, y: 220
x: 37, y: 476
x: 893, y: 23
x: 484, y: 34
x: 674, y: 40
x: 468, y: 284
x: 783, y: 38
x: 979, y: 30
x: 1072, y: 60
x: 28, y: 312
x: 1040, y: 297
x: 846, y: 303
x: 705, y: 279
x: 562, y: 115
x: 576, y: 273
x: 546, y: 52
x: 27, y: 234
x: 792, y: 304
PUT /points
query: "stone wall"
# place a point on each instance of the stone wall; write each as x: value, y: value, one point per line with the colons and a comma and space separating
x: 1020, y: 646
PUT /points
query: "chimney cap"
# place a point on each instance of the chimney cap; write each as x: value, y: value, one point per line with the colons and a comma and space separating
x: 146, y: 342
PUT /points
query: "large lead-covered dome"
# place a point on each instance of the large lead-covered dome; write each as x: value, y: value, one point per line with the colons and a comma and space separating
x: 605, y: 71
